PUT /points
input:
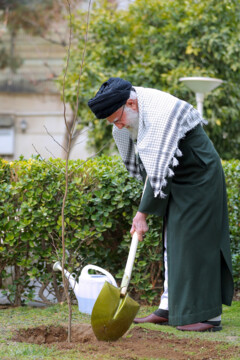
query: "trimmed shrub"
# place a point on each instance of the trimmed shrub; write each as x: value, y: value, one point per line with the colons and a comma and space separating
x: 101, y: 203
x: 232, y: 174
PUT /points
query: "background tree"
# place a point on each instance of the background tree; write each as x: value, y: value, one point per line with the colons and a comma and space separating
x: 154, y: 44
x: 35, y: 17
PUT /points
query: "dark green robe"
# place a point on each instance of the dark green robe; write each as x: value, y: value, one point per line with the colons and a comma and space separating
x: 198, y: 246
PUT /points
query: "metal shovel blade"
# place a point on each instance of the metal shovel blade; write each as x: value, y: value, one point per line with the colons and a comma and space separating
x: 114, y: 310
x: 112, y: 315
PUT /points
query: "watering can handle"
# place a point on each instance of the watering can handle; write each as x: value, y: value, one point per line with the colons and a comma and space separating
x: 128, y: 269
x: 97, y: 268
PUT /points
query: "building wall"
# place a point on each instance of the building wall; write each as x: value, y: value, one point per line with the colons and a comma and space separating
x: 30, y: 95
x: 42, y: 114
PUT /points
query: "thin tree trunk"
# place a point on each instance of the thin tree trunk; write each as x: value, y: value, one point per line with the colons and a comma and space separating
x: 71, y: 124
x: 65, y: 284
x: 55, y: 287
x: 42, y: 296
x: 12, y: 51
x: 17, y: 273
x: 68, y: 149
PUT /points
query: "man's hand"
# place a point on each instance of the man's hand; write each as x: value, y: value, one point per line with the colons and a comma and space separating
x: 139, y: 225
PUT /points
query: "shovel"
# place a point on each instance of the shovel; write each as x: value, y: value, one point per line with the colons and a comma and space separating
x: 114, y: 310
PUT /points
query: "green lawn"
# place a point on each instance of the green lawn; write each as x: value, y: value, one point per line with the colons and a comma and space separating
x: 24, y: 317
x: 230, y: 324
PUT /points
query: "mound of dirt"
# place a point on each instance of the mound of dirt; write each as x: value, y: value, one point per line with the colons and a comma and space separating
x: 81, y: 333
x: 136, y: 343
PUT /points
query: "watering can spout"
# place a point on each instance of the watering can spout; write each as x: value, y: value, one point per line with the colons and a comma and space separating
x: 57, y: 267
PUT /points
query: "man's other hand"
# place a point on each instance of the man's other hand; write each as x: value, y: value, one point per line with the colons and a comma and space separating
x: 139, y: 225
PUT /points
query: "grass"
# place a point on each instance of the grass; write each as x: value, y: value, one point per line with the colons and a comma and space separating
x: 230, y: 323
x: 24, y: 317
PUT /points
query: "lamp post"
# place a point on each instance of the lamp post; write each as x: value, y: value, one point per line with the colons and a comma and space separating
x: 201, y: 86
x: 23, y: 125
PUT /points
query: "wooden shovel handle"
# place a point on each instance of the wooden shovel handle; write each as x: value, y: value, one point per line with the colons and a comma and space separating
x: 128, y: 269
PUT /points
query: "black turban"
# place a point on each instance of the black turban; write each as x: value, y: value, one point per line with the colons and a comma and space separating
x: 110, y: 97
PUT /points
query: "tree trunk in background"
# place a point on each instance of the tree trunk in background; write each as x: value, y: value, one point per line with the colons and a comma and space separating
x: 17, y: 273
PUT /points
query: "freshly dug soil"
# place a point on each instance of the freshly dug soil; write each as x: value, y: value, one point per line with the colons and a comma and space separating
x: 136, y: 343
x: 81, y: 333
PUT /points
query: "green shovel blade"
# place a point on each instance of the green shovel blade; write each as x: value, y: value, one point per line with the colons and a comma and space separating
x: 111, y: 315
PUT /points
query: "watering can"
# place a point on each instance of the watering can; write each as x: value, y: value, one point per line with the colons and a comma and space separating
x: 88, y: 286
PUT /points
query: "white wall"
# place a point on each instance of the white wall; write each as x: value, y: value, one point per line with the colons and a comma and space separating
x: 31, y: 94
x: 39, y: 111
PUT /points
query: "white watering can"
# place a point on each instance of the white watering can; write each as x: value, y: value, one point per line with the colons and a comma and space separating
x: 88, y: 286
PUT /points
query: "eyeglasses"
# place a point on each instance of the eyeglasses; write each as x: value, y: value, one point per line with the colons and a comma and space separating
x: 117, y: 121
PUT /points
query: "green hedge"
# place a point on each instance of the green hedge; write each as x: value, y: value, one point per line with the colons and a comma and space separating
x: 102, y: 200
x: 232, y: 174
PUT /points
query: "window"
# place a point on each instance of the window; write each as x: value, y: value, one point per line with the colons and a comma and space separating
x: 6, y: 135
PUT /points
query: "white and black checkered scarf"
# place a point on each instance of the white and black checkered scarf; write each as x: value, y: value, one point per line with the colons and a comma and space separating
x: 163, y: 122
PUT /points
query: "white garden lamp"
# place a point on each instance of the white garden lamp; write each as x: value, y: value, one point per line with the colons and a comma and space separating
x: 201, y: 86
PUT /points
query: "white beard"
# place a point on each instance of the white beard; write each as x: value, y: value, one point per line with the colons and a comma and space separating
x: 132, y: 122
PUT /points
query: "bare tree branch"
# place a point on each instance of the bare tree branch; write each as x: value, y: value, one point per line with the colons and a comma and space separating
x: 41, y: 295
x: 41, y: 33
x: 80, y: 142
x: 77, y: 134
x: 43, y: 158
x: 81, y: 133
x: 46, y: 64
x: 67, y: 64
x: 50, y: 153
x: 70, y: 127
x: 83, y: 240
x: 38, y: 301
x: 83, y: 58
x: 54, y: 139
x: 37, y: 152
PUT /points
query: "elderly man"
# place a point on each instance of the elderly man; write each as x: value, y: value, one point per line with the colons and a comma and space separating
x: 162, y: 142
